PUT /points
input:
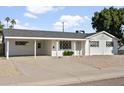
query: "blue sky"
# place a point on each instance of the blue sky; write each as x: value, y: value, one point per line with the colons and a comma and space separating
x: 51, y: 18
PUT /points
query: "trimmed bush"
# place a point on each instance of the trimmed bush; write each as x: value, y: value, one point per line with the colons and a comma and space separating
x: 68, y: 53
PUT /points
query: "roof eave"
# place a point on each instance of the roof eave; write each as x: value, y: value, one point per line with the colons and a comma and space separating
x: 103, y: 32
x: 43, y: 38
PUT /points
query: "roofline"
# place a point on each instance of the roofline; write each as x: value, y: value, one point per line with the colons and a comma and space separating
x: 102, y: 32
x: 42, y: 30
x: 43, y: 38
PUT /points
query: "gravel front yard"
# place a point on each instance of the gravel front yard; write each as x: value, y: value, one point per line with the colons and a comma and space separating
x: 102, y: 61
x: 8, y: 69
x: 23, y: 69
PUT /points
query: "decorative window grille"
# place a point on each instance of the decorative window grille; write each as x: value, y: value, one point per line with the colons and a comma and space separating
x: 65, y: 44
x: 21, y: 42
x: 109, y: 44
x: 94, y: 43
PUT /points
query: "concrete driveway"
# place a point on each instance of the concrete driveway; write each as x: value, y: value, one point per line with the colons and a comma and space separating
x: 58, y: 71
x: 51, y: 69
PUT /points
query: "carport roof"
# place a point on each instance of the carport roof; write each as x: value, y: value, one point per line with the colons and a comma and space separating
x: 44, y: 34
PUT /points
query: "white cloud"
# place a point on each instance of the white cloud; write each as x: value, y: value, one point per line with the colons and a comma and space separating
x: 69, y: 21
x: 33, y: 10
x: 42, y: 9
x: 17, y: 21
x: 20, y: 25
x: 87, y: 18
x: 30, y: 15
x: 26, y: 26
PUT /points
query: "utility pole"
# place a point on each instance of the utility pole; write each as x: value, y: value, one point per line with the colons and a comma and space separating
x: 63, y: 28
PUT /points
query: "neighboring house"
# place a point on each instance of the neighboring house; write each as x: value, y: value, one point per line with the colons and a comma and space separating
x: 121, y: 50
x: 32, y: 42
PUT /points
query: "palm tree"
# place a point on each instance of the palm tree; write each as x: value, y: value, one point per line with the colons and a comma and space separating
x: 13, y: 22
x: 10, y: 27
x: 7, y: 19
x: 1, y: 27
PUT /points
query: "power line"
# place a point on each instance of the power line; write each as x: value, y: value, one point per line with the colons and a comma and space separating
x: 63, y: 26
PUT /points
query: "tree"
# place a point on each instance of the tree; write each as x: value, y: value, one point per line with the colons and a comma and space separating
x: 13, y: 22
x: 110, y: 20
x: 1, y: 27
x: 7, y: 19
x: 10, y: 27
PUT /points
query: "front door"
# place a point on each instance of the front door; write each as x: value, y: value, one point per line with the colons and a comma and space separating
x: 43, y: 47
x: 38, y: 48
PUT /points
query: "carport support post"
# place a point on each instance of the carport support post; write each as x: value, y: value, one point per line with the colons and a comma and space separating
x: 74, y: 45
x: 57, y: 48
x: 35, y: 51
x: 7, y: 49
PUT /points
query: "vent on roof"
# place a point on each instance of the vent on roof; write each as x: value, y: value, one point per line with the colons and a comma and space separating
x: 80, y: 31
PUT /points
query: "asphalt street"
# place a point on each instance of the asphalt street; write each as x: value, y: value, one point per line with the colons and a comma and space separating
x: 106, y: 82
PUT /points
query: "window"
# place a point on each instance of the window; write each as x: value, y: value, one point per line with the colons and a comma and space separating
x: 94, y: 43
x: 38, y: 45
x: 109, y: 44
x: 65, y: 44
x: 21, y: 42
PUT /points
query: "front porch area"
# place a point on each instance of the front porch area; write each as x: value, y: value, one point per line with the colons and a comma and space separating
x: 25, y: 47
x: 78, y: 47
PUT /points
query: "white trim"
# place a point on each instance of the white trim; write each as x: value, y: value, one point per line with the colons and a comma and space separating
x: 101, y: 33
x: 7, y: 49
x: 74, y: 45
x: 35, y: 47
x: 38, y: 38
x: 57, y: 48
x: 89, y: 46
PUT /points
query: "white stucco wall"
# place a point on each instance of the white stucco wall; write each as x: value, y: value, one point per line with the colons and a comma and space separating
x: 1, y: 39
x: 48, y: 47
x: 20, y: 49
x: 87, y: 47
x: 1, y: 45
x: 45, y: 47
x: 102, y: 49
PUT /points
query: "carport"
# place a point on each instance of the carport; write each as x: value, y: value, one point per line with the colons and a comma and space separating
x: 27, y: 47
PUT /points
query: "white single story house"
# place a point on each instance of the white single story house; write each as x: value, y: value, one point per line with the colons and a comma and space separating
x: 33, y: 42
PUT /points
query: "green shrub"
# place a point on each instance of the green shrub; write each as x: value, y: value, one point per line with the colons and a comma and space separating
x: 68, y: 53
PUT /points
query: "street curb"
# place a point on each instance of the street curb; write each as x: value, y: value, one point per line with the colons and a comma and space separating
x: 81, y: 79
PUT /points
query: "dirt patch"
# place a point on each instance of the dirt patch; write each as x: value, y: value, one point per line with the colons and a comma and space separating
x: 8, y: 69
